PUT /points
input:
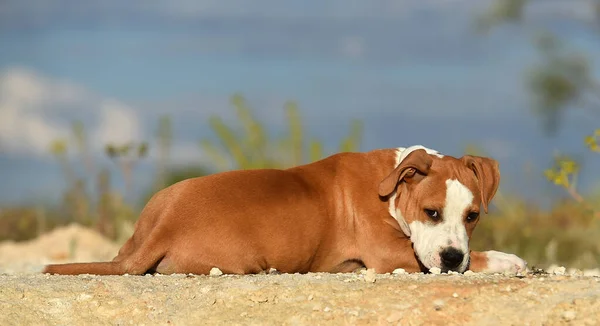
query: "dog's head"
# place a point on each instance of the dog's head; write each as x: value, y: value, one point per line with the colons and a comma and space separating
x: 436, y: 200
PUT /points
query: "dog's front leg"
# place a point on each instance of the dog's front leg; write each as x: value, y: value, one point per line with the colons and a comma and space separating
x: 496, y: 262
x: 396, y: 253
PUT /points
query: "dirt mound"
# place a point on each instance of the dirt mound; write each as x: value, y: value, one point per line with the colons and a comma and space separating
x: 72, y: 243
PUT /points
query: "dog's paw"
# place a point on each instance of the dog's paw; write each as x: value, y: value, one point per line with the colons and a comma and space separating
x: 500, y: 262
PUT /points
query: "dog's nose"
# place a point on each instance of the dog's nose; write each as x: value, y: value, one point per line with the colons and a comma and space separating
x: 451, y: 257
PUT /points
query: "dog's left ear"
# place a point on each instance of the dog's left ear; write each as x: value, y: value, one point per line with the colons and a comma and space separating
x: 417, y: 161
x: 487, y: 172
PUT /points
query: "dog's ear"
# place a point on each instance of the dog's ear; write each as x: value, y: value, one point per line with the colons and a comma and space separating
x: 487, y: 172
x: 416, y: 162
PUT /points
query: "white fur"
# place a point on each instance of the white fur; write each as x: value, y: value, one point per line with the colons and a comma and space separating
x: 430, y: 239
x: 401, y: 154
x: 500, y: 262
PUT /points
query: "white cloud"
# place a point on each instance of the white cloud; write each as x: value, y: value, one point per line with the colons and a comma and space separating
x: 30, y: 113
x: 25, y: 132
x: 24, y: 88
x: 118, y: 123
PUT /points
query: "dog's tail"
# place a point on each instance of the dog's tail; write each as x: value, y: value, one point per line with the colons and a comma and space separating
x: 140, y: 254
x: 103, y: 268
x: 130, y: 260
x: 138, y: 263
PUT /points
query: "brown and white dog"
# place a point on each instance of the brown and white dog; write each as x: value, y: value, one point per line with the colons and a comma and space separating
x: 409, y: 208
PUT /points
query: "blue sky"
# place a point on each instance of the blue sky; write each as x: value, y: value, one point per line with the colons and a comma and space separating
x: 415, y: 72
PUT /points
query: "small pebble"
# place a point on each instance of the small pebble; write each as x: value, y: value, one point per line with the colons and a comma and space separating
x: 215, y: 272
x: 438, y: 304
x: 435, y: 270
x: 468, y: 273
x: 399, y: 271
x: 327, y: 309
x: 455, y: 295
x: 310, y: 297
x: 569, y: 315
x: 370, y: 276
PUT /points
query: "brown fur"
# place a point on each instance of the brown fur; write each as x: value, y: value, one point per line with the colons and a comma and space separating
x: 326, y: 216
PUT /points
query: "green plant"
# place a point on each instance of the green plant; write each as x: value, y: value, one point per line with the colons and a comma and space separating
x: 75, y: 199
x: 164, y: 137
x: 107, y: 211
x: 126, y: 156
x: 591, y: 141
x: 253, y: 148
x: 566, y: 234
x: 26, y: 221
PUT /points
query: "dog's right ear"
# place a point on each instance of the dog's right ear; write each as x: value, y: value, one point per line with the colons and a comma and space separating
x: 416, y: 162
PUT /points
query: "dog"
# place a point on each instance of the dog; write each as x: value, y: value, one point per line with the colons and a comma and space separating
x: 411, y: 208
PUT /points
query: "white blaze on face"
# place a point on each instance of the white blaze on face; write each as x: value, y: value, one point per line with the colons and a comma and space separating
x: 401, y: 154
x: 431, y: 239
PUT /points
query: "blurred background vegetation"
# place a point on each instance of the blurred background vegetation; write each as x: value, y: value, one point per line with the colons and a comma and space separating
x: 562, y: 80
x: 567, y: 233
x: 113, y: 213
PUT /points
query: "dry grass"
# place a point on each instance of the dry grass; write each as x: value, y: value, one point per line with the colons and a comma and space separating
x: 567, y: 234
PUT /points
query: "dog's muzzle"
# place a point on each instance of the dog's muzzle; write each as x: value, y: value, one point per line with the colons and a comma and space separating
x: 451, y: 258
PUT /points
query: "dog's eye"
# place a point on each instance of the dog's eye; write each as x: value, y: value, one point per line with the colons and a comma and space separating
x: 472, y: 216
x: 433, y: 214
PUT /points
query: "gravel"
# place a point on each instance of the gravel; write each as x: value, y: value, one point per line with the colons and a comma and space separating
x: 215, y: 272
x: 294, y: 299
x: 435, y: 270
x: 27, y: 297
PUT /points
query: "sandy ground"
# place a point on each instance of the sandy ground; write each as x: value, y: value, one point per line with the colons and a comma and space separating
x: 28, y: 297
